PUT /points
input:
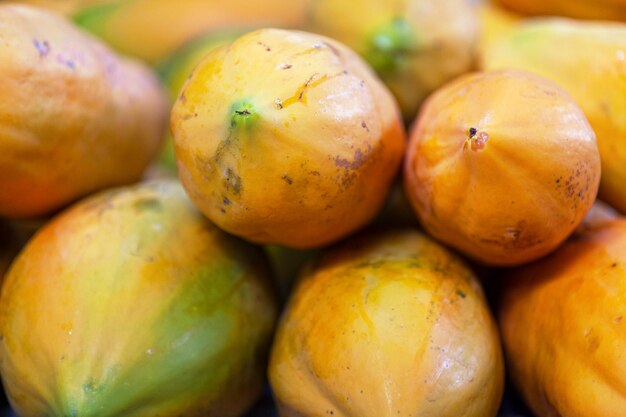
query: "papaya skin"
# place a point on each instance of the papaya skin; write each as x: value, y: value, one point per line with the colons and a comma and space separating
x: 415, y: 46
x: 502, y: 166
x: 562, y: 326
x: 589, y: 61
x: 153, y: 29
x: 131, y: 303
x: 74, y: 117
x: 495, y: 23
x: 580, y: 9
x: 387, y: 325
x: 286, y: 137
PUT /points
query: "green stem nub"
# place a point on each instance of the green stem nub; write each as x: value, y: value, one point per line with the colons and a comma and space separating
x: 243, y: 114
x: 389, y: 46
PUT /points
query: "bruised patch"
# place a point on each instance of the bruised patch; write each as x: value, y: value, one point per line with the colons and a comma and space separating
x: 43, y: 47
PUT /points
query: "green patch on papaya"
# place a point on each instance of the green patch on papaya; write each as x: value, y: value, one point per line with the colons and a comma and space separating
x: 243, y: 114
x: 389, y: 46
x: 95, y: 18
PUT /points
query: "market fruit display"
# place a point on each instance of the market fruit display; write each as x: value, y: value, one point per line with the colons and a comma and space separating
x: 562, y: 326
x: 582, y: 9
x: 415, y: 46
x: 74, y: 117
x: 131, y: 303
x: 286, y: 137
x: 502, y: 166
x: 153, y: 29
x: 390, y: 324
x: 589, y: 61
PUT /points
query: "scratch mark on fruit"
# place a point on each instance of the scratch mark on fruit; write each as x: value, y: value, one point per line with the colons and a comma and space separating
x: 284, y: 66
x: 300, y: 94
x: 364, y: 125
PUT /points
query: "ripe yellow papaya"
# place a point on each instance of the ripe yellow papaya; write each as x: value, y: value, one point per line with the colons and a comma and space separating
x: 589, y: 61
x: 502, y: 165
x: 388, y: 325
x: 562, y: 321
x: 286, y: 137
x: 74, y: 117
x: 131, y: 303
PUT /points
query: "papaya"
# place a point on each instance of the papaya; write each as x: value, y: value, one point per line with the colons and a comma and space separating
x: 176, y: 68
x: 589, y: 61
x: 130, y: 303
x: 415, y: 46
x: 385, y: 325
x: 153, y: 29
x: 562, y: 324
x: 580, y: 9
x: 74, y: 117
x: 502, y: 165
x: 286, y: 137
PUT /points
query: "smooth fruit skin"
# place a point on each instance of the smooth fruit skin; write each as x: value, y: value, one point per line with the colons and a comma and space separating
x: 387, y: 325
x: 495, y: 23
x: 74, y: 117
x: 132, y: 304
x: 415, y: 46
x: 581, y: 9
x: 562, y: 323
x: 589, y: 61
x: 502, y: 166
x: 286, y: 137
x: 153, y: 29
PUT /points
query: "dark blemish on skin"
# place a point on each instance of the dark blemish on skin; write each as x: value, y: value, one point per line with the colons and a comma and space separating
x: 359, y: 159
x: 226, y: 201
x: 148, y: 203
x: 558, y: 180
x: 614, y: 264
x: 222, y: 210
x: 243, y: 112
x: 472, y: 132
x: 461, y: 294
x: 278, y: 103
x: 618, y: 319
x: 42, y: 47
x: 233, y: 181
x: 182, y: 98
x: 364, y: 125
x: 267, y: 48
x: 287, y: 179
x: 315, y: 173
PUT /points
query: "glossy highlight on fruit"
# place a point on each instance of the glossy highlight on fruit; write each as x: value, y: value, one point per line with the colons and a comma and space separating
x: 74, y: 117
x: 131, y: 303
x: 562, y: 321
x: 286, y: 137
x: 390, y: 324
x: 502, y: 166
x: 588, y: 60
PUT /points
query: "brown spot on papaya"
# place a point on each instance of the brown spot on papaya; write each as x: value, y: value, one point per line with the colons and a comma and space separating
x: 358, y: 160
x: 287, y: 179
x: 232, y: 181
x: 226, y: 201
x: 264, y: 45
x: 461, y: 294
x: 364, y: 125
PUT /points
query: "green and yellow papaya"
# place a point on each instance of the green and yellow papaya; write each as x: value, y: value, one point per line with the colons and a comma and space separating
x: 132, y: 304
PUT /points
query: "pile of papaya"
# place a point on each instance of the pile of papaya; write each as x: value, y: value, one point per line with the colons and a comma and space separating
x: 313, y: 208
